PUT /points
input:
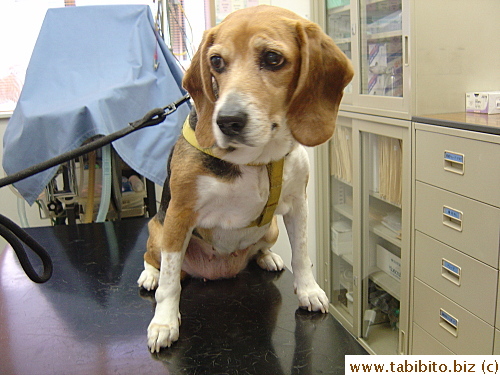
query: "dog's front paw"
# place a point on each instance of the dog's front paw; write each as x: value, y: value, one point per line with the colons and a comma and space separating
x: 270, y: 261
x: 162, y: 335
x: 312, y: 298
x: 149, y: 278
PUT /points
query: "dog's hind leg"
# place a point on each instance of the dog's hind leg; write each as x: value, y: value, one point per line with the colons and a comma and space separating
x: 151, y: 274
x: 266, y: 259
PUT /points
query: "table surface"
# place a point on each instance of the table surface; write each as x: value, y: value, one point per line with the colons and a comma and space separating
x: 91, y: 318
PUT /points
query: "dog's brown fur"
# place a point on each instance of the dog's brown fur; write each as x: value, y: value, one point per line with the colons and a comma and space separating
x: 292, y: 103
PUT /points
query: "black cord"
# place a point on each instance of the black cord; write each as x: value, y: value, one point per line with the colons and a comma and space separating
x: 15, y: 235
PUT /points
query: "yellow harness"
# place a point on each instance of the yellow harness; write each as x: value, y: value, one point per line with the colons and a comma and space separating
x: 274, y: 171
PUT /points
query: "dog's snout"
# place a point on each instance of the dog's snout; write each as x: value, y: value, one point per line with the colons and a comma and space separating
x: 231, y: 121
x: 232, y: 124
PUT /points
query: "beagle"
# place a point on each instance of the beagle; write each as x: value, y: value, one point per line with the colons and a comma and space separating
x: 264, y: 83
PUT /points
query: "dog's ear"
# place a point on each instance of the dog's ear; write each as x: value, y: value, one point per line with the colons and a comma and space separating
x: 198, y: 82
x: 324, y: 73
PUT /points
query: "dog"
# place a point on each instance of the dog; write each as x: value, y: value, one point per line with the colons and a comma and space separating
x: 265, y: 82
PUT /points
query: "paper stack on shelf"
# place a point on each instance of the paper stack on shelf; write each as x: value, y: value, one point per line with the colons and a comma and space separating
x: 373, y: 154
x: 392, y: 221
x: 390, y: 169
x: 341, y: 154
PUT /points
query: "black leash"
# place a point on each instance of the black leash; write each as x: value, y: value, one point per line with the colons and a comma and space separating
x: 15, y: 235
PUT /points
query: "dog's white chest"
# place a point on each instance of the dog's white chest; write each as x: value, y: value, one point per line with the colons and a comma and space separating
x: 232, y: 204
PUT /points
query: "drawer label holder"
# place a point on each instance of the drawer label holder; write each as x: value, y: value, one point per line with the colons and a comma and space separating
x: 448, y: 322
x: 451, y: 271
x: 452, y: 218
x: 454, y: 162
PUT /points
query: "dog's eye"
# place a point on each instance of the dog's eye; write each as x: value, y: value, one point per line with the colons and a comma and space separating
x: 217, y: 63
x: 272, y: 60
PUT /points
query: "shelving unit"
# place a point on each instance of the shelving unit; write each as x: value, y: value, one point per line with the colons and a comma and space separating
x: 359, y: 204
x: 405, y: 65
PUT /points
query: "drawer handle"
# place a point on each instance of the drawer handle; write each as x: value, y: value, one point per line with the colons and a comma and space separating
x: 452, y: 218
x: 454, y: 162
x: 451, y: 271
x: 448, y: 322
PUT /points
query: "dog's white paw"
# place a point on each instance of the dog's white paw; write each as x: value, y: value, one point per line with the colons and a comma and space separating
x: 149, y: 278
x: 270, y: 261
x: 162, y: 335
x: 312, y: 298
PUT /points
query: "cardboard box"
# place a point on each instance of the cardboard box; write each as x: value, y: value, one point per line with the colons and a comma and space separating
x: 341, y: 236
x: 389, y: 263
x: 483, y: 102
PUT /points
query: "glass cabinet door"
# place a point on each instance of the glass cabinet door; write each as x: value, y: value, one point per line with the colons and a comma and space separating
x: 341, y: 217
x: 381, y: 48
x: 381, y: 242
x: 338, y: 27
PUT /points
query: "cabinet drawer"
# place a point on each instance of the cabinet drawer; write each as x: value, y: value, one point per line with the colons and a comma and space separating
x: 462, y: 165
x: 425, y: 344
x: 497, y: 322
x: 466, y: 281
x: 453, y: 326
x: 465, y: 224
x: 496, y: 347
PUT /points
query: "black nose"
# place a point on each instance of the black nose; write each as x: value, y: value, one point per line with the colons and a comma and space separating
x: 231, y: 121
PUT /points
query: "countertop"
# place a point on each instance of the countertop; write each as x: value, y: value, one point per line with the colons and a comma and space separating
x: 91, y: 318
x: 478, y: 122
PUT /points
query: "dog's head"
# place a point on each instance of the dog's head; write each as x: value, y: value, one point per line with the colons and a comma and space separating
x: 265, y: 75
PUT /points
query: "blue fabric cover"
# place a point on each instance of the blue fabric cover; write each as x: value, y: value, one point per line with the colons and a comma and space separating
x: 92, y: 72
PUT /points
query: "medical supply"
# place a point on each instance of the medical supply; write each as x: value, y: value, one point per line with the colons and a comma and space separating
x: 389, y: 263
x: 483, y: 102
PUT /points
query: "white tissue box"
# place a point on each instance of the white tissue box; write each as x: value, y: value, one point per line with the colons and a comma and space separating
x: 341, y: 236
x: 483, y: 102
x: 389, y: 263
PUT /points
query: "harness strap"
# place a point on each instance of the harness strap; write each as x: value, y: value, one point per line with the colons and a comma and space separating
x: 274, y: 172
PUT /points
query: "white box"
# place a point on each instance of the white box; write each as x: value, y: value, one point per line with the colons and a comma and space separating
x: 389, y: 263
x: 483, y: 102
x: 341, y: 236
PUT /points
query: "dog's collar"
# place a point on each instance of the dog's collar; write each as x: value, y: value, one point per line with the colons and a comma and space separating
x: 274, y: 171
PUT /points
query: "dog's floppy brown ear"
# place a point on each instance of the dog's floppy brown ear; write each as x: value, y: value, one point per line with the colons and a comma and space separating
x: 324, y: 73
x: 198, y: 82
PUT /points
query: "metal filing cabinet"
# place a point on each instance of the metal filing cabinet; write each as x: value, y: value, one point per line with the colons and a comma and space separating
x: 455, y: 243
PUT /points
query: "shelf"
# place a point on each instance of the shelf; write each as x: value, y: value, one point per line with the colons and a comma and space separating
x: 382, y: 339
x: 371, y: 2
x: 344, y: 210
x: 341, y: 180
x: 379, y: 197
x: 376, y: 227
x: 342, y: 40
x: 340, y: 9
x: 388, y: 283
x: 348, y: 258
x: 382, y: 231
x: 386, y: 35
x: 344, y: 309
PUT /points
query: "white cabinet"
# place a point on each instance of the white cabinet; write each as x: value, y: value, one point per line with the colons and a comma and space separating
x: 456, y: 211
x: 411, y: 58
x: 364, y: 229
x: 414, y: 57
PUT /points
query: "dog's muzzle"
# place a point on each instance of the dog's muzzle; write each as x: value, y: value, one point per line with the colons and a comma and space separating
x: 232, y: 118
